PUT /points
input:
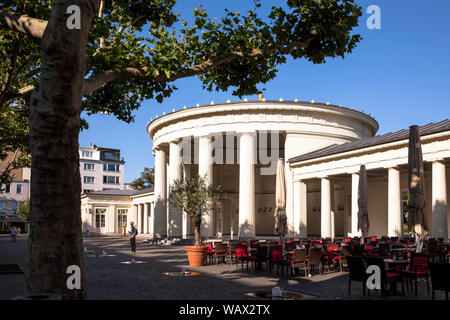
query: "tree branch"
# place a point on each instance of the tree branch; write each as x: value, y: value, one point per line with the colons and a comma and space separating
x: 22, y: 24
x: 9, y: 141
x: 9, y: 75
x: 97, y: 81
x: 94, y: 83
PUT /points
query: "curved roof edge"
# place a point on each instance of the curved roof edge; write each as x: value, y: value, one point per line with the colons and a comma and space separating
x: 287, y: 102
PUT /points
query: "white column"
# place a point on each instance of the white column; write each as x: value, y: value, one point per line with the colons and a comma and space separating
x: 395, y: 220
x: 354, y: 223
x: 151, y: 223
x: 333, y: 210
x: 439, y: 201
x: 247, y: 185
x: 325, y: 204
x: 146, y: 209
x: 134, y: 217
x: 300, y: 209
x: 139, y: 218
x: 289, y: 200
x: 174, y: 220
x: 303, y: 210
x: 205, y: 170
x: 296, y: 200
x: 160, y: 216
x: 115, y: 218
x: 186, y: 219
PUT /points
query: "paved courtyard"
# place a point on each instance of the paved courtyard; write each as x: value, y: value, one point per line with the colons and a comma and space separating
x: 114, y: 277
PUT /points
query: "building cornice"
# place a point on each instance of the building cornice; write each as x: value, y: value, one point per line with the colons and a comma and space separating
x: 256, y: 107
x: 370, y: 150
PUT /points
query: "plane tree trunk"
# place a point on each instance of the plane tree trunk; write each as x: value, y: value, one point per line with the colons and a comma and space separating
x: 55, y: 240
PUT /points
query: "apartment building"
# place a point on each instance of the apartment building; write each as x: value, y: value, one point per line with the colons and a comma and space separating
x: 13, y: 195
x: 101, y: 169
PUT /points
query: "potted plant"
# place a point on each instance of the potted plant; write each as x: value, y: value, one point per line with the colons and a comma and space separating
x: 194, y: 196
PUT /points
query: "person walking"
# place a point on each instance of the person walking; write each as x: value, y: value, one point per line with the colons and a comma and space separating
x: 133, y: 233
x: 13, y: 233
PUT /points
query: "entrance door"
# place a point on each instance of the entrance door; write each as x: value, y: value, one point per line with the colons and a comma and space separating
x: 100, y: 222
x: 121, y: 219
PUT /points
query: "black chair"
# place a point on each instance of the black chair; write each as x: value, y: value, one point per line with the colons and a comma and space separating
x: 432, y: 246
x: 259, y: 256
x: 344, y: 253
x: 357, y: 272
x: 289, y: 245
x: 440, y: 279
x: 383, y: 249
x: 391, y: 277
x: 357, y: 250
x: 418, y: 268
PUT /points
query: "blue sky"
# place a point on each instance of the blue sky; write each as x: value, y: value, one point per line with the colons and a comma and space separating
x: 400, y: 74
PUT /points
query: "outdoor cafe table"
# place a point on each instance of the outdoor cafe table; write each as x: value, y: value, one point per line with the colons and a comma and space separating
x: 402, y: 262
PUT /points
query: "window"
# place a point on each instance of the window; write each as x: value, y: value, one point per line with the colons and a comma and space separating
x: 88, y: 166
x: 110, y: 180
x: 14, y: 206
x: 19, y: 188
x: 3, y: 206
x: 86, y: 154
x: 111, y: 167
x: 110, y: 155
x: 88, y: 179
x: 8, y: 188
x: 87, y: 191
x: 100, y: 218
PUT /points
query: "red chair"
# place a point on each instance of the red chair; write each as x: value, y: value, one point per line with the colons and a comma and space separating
x: 331, y: 255
x: 418, y: 268
x: 209, y: 252
x: 275, y: 257
x: 241, y: 254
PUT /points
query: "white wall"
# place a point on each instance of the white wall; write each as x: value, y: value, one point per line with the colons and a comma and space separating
x: 377, y: 207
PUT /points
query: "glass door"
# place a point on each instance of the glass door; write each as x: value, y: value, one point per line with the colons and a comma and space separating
x: 100, y: 222
x: 121, y: 219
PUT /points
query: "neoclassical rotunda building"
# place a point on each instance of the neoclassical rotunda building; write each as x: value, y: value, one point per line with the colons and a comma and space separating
x: 237, y: 145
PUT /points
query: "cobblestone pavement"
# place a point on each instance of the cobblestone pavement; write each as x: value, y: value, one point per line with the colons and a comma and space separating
x: 114, y: 276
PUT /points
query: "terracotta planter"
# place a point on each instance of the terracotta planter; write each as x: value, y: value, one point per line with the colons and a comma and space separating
x: 196, y: 255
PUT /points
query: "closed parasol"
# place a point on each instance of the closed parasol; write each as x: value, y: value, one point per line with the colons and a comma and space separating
x: 280, y: 199
x: 416, y: 195
x: 363, y: 216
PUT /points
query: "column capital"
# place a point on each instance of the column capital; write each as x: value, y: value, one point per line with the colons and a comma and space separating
x: 176, y: 141
x: 439, y: 160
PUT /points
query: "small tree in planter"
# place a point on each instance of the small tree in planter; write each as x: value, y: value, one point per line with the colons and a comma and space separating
x: 193, y: 196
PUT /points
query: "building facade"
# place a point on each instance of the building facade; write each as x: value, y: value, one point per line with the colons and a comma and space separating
x: 13, y: 196
x: 101, y: 169
x: 107, y: 211
x: 237, y: 145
